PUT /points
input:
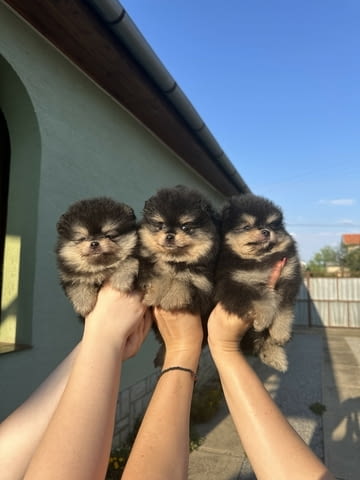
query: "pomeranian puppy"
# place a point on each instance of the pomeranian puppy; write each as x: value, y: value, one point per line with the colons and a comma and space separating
x: 253, y: 240
x: 178, y: 247
x: 96, y: 241
x: 179, y: 241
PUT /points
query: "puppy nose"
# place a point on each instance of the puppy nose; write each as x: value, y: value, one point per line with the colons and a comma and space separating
x: 266, y: 233
x: 94, y: 244
x: 170, y: 236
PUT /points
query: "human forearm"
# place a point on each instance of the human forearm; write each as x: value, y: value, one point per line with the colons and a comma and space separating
x: 161, y: 449
x: 274, y: 449
x: 21, y: 432
x: 77, y: 443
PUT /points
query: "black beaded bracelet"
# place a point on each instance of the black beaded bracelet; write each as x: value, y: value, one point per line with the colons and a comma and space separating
x: 192, y: 373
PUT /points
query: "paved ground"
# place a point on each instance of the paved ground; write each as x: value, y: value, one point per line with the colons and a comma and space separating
x: 325, y: 369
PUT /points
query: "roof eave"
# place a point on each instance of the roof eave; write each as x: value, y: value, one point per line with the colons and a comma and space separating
x: 76, y: 30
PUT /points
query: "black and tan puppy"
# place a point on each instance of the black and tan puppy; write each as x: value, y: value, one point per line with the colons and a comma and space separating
x: 96, y: 242
x: 178, y: 248
x: 253, y: 240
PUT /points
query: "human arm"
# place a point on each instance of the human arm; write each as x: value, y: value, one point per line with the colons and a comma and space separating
x: 20, y: 432
x: 274, y: 449
x: 161, y: 448
x: 77, y: 441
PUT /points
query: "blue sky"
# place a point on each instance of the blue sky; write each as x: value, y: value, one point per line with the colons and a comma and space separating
x: 278, y: 84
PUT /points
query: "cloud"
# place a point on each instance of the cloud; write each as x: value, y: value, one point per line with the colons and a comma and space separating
x: 346, y: 221
x: 339, y: 202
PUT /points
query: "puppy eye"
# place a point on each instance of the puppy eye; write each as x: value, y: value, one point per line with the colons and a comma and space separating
x: 187, y: 228
x: 246, y: 228
x: 110, y: 236
x: 275, y: 225
x: 79, y: 239
x: 159, y: 226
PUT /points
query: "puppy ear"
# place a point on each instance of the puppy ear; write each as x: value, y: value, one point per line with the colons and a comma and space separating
x: 129, y: 211
x: 62, y: 225
x: 226, y: 212
x: 148, y: 207
x: 211, y: 211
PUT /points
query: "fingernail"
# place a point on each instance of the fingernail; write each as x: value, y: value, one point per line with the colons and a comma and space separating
x: 284, y: 260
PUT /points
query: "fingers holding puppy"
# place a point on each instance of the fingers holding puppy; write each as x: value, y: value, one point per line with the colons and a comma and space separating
x: 116, y: 317
x: 276, y: 272
x: 225, y: 329
x: 137, y: 337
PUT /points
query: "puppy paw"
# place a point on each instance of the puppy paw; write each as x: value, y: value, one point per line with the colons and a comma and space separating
x: 177, y: 296
x: 84, y: 307
x: 82, y: 299
x: 170, y: 303
x: 154, y: 293
x: 124, y: 278
x: 274, y: 356
x: 262, y: 320
x: 264, y: 312
x: 280, y: 330
x: 151, y: 297
x: 279, y: 334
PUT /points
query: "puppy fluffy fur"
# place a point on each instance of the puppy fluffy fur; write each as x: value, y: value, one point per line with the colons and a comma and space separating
x: 96, y: 241
x: 178, y: 247
x: 253, y: 240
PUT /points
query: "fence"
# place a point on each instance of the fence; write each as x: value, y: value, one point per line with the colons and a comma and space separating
x: 328, y: 302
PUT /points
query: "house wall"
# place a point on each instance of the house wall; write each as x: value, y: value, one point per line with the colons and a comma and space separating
x: 69, y: 140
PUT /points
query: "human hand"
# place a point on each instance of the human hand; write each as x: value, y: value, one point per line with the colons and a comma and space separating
x: 182, y: 334
x: 225, y: 330
x: 137, y: 337
x: 276, y: 272
x: 118, y: 319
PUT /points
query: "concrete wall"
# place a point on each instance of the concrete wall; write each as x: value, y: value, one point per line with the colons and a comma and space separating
x: 69, y: 140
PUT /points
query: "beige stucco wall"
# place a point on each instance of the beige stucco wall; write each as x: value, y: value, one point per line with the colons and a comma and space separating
x: 77, y: 143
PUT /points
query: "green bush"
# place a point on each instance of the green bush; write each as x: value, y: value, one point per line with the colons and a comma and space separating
x: 117, y: 462
x: 206, y: 402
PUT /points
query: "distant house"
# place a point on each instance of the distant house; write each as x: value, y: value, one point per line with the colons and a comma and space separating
x: 350, y: 241
x: 86, y: 109
x: 333, y: 269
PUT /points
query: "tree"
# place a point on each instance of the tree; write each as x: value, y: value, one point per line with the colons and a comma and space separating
x: 327, y: 256
x: 352, y: 261
x: 347, y: 261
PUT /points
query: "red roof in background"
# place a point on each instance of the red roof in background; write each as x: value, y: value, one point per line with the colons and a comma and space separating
x: 351, y: 239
